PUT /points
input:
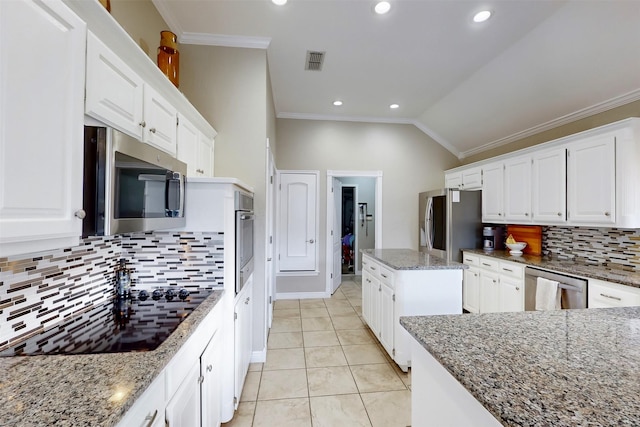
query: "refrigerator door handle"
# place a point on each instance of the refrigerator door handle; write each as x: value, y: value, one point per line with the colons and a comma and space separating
x: 428, y: 222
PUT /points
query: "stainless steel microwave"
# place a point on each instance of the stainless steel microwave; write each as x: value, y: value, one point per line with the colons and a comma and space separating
x: 129, y: 186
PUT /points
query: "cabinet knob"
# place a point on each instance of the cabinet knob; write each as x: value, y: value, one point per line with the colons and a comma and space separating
x: 526, y: 214
x: 311, y: 241
x: 517, y: 288
x: 209, y: 368
x: 247, y: 300
x: 499, y: 214
x: 152, y: 130
x: 143, y: 124
x: 80, y: 213
x: 559, y: 213
x: 607, y: 214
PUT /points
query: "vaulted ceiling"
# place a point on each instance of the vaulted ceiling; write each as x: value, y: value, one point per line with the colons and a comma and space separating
x: 535, y: 64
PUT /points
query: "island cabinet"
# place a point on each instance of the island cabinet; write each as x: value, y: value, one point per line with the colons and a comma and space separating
x: 423, y: 285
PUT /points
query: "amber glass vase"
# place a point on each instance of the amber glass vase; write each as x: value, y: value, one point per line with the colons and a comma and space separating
x: 169, y: 57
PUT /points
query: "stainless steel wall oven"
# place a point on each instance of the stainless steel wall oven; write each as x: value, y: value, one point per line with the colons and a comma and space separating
x: 244, y: 237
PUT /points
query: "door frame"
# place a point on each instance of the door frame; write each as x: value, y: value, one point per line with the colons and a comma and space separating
x: 329, y: 216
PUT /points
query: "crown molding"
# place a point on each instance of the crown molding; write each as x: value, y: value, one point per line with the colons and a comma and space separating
x: 563, y: 120
x: 437, y: 138
x: 225, y: 40
x: 165, y: 13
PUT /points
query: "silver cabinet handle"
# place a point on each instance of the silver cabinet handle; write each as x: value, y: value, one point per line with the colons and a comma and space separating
x: 199, y: 170
x: 475, y: 274
x: 268, y: 259
x: 151, y: 418
x: 143, y: 124
x: 152, y: 130
x: 209, y: 368
x: 495, y: 281
x: 372, y: 267
x: 311, y: 241
x: 611, y: 297
x: 368, y: 280
x: 247, y: 300
x: 383, y: 275
x: 486, y: 265
x: 506, y: 269
x: 80, y: 214
x: 517, y: 288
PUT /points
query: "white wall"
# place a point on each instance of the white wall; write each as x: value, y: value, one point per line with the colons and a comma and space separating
x: 410, y: 161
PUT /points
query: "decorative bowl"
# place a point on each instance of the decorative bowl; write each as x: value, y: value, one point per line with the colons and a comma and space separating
x: 516, y: 248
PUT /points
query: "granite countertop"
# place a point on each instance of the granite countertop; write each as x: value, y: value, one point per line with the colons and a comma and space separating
x: 567, y: 266
x: 85, y: 390
x: 554, y: 368
x: 408, y: 259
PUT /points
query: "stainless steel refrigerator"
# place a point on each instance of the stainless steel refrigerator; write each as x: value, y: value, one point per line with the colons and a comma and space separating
x: 449, y: 221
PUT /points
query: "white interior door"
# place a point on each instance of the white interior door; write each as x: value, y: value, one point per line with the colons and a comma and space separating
x: 337, y: 234
x: 297, y: 240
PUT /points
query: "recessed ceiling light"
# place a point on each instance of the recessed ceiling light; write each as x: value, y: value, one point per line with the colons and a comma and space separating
x: 279, y: 2
x: 394, y: 106
x: 337, y: 103
x: 382, y: 7
x: 482, y: 16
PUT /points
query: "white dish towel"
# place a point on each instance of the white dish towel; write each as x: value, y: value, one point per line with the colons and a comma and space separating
x: 548, y: 295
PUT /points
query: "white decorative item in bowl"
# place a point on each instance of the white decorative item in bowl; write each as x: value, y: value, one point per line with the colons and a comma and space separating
x: 516, y: 248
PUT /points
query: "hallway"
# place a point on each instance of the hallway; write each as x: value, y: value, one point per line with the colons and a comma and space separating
x: 324, y: 368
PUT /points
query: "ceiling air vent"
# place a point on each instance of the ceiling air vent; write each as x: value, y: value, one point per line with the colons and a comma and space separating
x: 314, y: 60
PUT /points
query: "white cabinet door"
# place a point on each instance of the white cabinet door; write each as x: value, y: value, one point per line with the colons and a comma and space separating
x: 591, y: 180
x: 472, y: 179
x: 511, y: 295
x: 517, y: 190
x: 471, y: 290
x: 489, y: 292
x: 188, y: 145
x: 453, y: 180
x: 375, y: 304
x: 367, y: 296
x: 41, y: 116
x: 114, y: 92
x: 493, y: 193
x: 205, y: 155
x: 184, y: 407
x: 242, y: 336
x: 297, y: 246
x: 211, y: 382
x: 160, y: 119
x: 387, y: 319
x: 549, y: 177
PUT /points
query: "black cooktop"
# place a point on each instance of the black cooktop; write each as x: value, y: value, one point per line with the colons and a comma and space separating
x: 139, y: 323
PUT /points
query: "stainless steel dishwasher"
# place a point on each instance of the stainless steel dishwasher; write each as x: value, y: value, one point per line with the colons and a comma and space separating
x: 573, y: 289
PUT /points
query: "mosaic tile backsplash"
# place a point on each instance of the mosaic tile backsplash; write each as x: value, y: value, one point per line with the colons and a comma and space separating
x: 608, y: 247
x: 49, y: 287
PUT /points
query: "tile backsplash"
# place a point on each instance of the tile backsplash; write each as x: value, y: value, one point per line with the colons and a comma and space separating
x: 45, y: 288
x: 608, y: 247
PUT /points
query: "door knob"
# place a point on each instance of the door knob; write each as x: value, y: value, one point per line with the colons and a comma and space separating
x: 80, y: 214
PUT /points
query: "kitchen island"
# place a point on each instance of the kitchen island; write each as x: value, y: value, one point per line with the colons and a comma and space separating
x: 93, y: 389
x: 554, y: 368
x: 404, y: 282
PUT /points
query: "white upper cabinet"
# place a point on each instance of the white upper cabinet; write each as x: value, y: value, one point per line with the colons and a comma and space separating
x: 493, y: 192
x: 160, y: 127
x: 548, y: 186
x: 195, y: 149
x: 467, y: 179
x: 591, y: 180
x: 517, y: 189
x: 41, y: 116
x: 114, y: 92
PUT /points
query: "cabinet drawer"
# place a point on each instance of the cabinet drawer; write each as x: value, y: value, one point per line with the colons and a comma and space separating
x: 511, y: 269
x: 470, y: 259
x: 369, y: 265
x: 605, y: 294
x: 488, y: 263
x: 386, y: 275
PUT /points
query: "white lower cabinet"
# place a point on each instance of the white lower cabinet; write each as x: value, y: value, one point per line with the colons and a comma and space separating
x: 211, y: 383
x: 184, y: 407
x: 497, y: 286
x: 605, y: 294
x: 148, y: 411
x: 243, y: 320
x: 388, y: 294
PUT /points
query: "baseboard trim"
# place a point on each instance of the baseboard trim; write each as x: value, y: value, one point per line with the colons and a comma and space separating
x: 302, y: 295
x: 259, y: 356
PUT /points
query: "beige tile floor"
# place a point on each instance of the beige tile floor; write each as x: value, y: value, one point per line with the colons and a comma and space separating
x: 324, y: 368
